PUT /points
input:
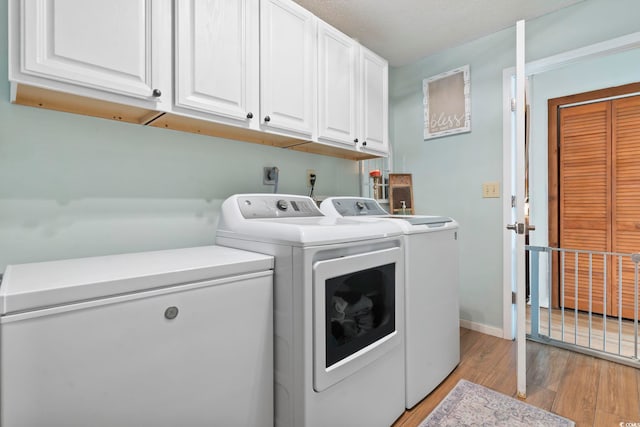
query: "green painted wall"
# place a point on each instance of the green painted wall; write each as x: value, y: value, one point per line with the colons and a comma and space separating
x: 74, y: 186
x: 448, y: 172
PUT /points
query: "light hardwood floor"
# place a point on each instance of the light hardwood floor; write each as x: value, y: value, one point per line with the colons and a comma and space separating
x: 620, y: 333
x: 590, y: 391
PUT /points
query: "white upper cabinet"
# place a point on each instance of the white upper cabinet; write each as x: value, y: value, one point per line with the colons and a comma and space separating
x: 217, y: 59
x: 374, y: 92
x: 287, y: 69
x: 352, y: 93
x: 265, y: 71
x: 93, y: 48
x: 337, y: 87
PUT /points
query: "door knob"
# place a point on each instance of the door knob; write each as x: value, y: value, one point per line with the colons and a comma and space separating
x: 521, y: 227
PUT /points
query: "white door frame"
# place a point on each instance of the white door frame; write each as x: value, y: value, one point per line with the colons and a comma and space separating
x: 608, y: 47
x: 519, y: 208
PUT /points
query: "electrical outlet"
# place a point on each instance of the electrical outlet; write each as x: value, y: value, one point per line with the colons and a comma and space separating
x: 491, y: 189
x: 309, y: 173
x: 269, y: 174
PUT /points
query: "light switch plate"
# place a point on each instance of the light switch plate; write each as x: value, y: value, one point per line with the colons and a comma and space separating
x: 491, y: 189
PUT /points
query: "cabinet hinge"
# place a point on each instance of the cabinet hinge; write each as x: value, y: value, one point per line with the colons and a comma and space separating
x: 513, y: 201
x: 513, y: 104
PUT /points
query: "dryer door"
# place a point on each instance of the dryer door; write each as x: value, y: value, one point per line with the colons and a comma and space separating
x: 357, y: 308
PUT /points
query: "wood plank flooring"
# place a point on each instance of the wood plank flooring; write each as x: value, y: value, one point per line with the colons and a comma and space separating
x: 620, y: 333
x: 590, y: 391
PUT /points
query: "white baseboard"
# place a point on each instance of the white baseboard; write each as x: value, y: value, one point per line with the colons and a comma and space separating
x: 479, y: 327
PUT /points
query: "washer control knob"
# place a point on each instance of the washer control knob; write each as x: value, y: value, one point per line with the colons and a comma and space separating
x: 171, y: 312
x: 282, y: 205
x: 360, y: 205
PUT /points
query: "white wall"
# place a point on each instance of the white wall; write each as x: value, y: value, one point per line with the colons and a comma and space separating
x: 73, y: 186
x: 448, y: 172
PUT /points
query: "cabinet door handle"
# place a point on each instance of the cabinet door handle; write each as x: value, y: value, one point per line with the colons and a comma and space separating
x: 249, y: 115
x: 267, y: 118
x: 157, y: 93
x: 364, y: 143
x: 355, y: 140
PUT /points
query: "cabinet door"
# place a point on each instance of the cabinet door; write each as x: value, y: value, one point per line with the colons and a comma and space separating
x: 217, y: 58
x: 337, y: 97
x: 287, y: 68
x: 375, y: 102
x: 104, y: 45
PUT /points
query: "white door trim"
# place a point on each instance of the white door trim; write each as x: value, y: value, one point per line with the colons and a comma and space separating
x: 508, y: 185
x: 519, y: 252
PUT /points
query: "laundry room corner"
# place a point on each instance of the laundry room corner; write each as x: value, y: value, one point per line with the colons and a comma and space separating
x: 448, y: 172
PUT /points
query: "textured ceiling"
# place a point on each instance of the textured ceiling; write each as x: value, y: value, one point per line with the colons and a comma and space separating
x: 404, y: 31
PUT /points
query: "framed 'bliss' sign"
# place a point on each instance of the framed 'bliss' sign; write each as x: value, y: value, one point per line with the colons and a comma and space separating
x: 447, y: 103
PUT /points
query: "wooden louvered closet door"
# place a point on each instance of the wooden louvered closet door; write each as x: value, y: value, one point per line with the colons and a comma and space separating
x: 585, y: 202
x: 626, y: 196
x: 599, y: 201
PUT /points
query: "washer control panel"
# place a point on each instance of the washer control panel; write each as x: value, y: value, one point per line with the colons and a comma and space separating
x: 358, y: 207
x: 277, y: 206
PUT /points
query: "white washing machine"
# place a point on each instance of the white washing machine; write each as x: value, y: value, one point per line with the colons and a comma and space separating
x: 338, y: 309
x: 167, y: 338
x: 432, y: 341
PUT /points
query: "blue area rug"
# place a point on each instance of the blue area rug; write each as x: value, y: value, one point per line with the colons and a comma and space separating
x: 470, y: 404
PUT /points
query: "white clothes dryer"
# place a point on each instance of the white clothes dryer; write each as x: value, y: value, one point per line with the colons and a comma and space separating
x: 432, y: 325
x: 338, y: 309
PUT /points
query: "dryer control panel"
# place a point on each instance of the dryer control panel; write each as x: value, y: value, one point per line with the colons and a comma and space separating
x: 277, y: 206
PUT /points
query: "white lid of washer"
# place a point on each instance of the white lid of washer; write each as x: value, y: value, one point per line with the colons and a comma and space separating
x: 364, y: 208
x: 294, y: 220
x: 352, y: 207
x: 37, y: 285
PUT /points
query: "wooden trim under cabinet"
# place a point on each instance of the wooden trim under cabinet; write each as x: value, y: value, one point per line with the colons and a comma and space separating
x: 59, y: 101
x: 33, y: 96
